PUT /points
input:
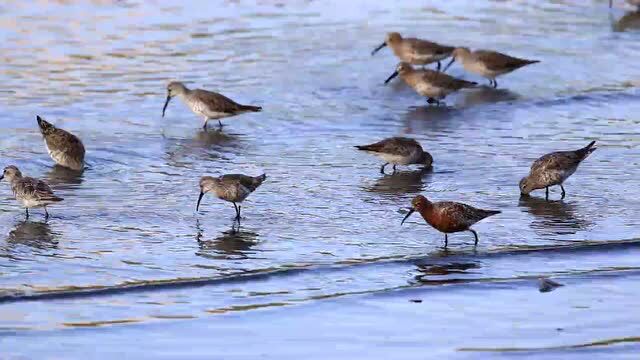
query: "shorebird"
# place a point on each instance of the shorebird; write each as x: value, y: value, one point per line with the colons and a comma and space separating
x: 33, y: 193
x: 429, y: 83
x: 553, y: 169
x: 208, y: 104
x: 415, y: 51
x: 546, y: 285
x: 448, y: 217
x: 486, y: 63
x: 233, y: 188
x: 398, y: 151
x: 64, y: 148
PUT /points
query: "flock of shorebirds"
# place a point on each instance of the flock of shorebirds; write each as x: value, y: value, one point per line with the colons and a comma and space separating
x: 549, y: 170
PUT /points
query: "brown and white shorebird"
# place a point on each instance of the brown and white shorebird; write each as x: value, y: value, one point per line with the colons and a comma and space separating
x: 448, y: 217
x: 208, y: 104
x: 31, y: 192
x: 64, y: 148
x: 553, y: 169
x: 415, y: 51
x: 434, y: 85
x: 486, y: 63
x: 398, y: 151
x: 233, y: 188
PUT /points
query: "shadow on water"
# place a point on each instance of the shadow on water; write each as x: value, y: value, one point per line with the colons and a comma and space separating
x: 630, y: 21
x: 34, y: 234
x: 554, y: 216
x: 401, y: 182
x: 234, y: 243
x: 200, y: 146
x: 485, y: 95
x: 447, y: 273
x: 60, y: 175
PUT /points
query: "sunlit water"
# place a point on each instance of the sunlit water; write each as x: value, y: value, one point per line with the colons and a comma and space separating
x: 321, y: 267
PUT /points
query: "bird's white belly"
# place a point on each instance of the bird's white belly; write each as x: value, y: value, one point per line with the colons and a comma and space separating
x: 428, y: 90
x: 424, y: 59
x: 32, y: 203
x: 395, y: 159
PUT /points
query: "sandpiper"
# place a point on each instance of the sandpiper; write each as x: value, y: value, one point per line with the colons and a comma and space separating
x: 33, y: 193
x: 429, y: 83
x: 398, y: 151
x: 208, y: 104
x: 64, y: 148
x: 486, y: 63
x: 553, y: 169
x: 448, y: 217
x: 233, y: 188
x: 415, y: 51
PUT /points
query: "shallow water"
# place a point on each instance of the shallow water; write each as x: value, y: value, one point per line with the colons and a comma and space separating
x: 321, y: 264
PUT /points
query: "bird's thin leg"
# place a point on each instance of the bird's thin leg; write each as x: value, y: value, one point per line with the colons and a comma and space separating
x: 220, y: 124
x: 546, y: 197
x: 382, y: 168
x: 394, y: 168
x: 206, y: 120
x: 431, y: 101
x: 237, y: 211
x: 495, y: 83
x: 46, y: 213
x: 446, y: 240
x: 438, y: 67
x: 476, y: 236
x: 27, y: 210
x: 563, y: 192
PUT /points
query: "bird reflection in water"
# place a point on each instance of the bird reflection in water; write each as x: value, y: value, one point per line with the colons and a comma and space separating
x: 553, y: 217
x: 33, y: 234
x: 402, y: 182
x: 200, y: 146
x: 485, y: 95
x: 232, y: 243
x: 446, y: 273
x: 60, y: 175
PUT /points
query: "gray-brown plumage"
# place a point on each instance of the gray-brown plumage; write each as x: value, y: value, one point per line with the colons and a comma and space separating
x: 553, y: 169
x: 447, y: 216
x: 31, y: 192
x: 429, y: 83
x: 64, y: 148
x: 415, y: 51
x: 208, y: 104
x: 488, y: 64
x: 546, y: 285
x: 233, y: 188
x: 398, y: 151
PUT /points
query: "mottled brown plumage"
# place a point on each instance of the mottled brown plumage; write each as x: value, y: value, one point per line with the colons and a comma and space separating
x: 488, y: 64
x: 398, y: 151
x: 431, y: 84
x: 233, y: 188
x: 553, y: 169
x: 449, y: 217
x: 64, y: 148
x: 415, y: 51
x: 31, y: 192
x: 208, y: 104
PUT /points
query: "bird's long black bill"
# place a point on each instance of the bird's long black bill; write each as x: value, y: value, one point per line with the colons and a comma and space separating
x: 199, y: 199
x: 411, y: 211
x: 449, y: 64
x: 395, y: 73
x: 1, y: 177
x: 378, y: 48
x: 610, y: 3
x: 166, y: 103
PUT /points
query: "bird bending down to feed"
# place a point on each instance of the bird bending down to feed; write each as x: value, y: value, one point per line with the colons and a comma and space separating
x: 448, y: 217
x: 398, y: 151
x: 553, y: 169
x: 233, y: 188
x: 486, y: 63
x: 415, y: 51
x: 208, y: 104
x: 434, y: 85
x: 64, y: 148
x: 31, y: 192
